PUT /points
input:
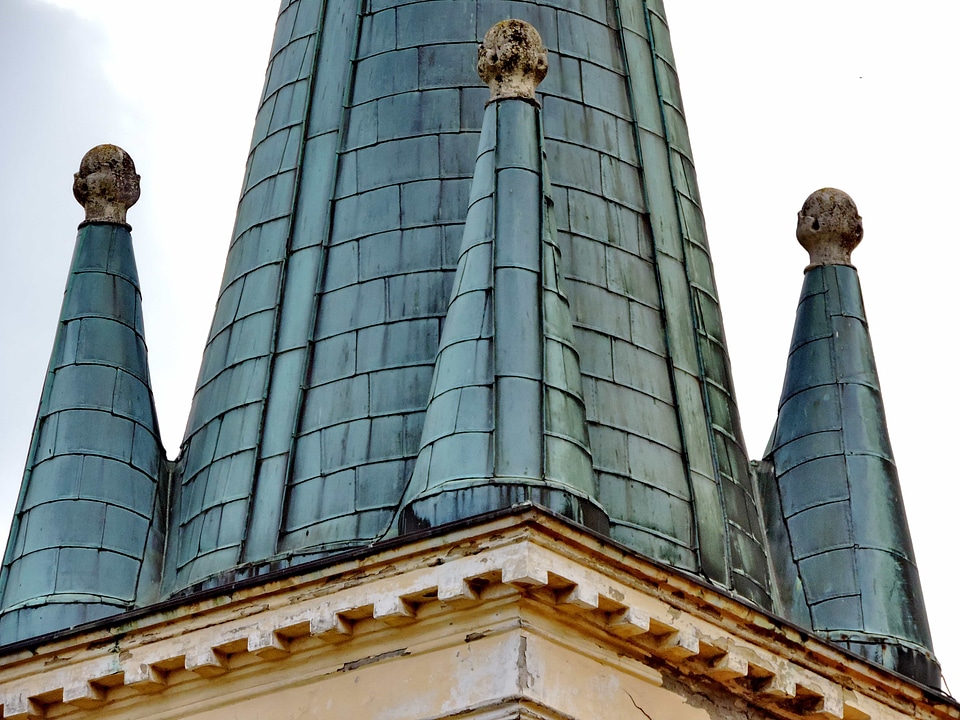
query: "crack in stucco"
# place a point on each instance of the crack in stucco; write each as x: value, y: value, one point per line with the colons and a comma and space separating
x: 645, y: 713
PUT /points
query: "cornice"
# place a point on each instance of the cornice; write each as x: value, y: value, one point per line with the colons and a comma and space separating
x: 540, y: 566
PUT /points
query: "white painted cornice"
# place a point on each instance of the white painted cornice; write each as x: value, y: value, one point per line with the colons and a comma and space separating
x: 528, y: 574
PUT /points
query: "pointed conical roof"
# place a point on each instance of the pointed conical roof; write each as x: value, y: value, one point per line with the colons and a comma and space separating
x: 839, y: 538
x: 505, y: 422
x: 308, y: 416
x: 87, y: 535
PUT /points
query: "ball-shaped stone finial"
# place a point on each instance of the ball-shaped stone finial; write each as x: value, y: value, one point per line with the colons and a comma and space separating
x: 829, y: 227
x: 512, y: 61
x: 107, y: 184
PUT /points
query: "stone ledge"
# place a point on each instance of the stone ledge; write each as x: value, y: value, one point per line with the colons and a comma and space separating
x: 536, y: 564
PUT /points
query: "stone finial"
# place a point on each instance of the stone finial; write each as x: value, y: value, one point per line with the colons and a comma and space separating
x: 107, y: 184
x: 829, y: 227
x: 512, y: 61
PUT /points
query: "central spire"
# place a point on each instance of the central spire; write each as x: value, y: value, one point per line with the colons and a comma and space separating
x: 608, y: 376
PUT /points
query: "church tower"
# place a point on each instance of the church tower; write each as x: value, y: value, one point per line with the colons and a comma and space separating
x: 464, y: 441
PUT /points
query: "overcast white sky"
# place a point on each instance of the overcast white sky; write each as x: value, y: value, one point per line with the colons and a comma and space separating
x: 781, y: 98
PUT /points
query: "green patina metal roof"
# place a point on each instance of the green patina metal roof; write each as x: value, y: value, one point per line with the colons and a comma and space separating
x: 397, y: 343
x: 309, y: 412
x: 86, y: 536
x: 838, y: 532
x: 505, y: 421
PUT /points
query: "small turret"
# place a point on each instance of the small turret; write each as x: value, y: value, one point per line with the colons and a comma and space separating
x: 86, y: 541
x: 839, y: 539
x: 506, y: 421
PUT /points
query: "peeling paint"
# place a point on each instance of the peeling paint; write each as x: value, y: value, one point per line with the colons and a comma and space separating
x: 372, y: 659
x: 525, y: 677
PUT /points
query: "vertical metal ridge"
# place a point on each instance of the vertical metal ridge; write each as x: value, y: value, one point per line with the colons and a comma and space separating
x: 323, y: 245
x: 239, y: 368
x: 668, y: 341
x: 716, y: 568
x: 264, y: 516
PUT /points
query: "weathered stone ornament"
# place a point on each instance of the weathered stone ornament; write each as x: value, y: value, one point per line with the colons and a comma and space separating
x: 107, y: 184
x: 512, y: 61
x: 829, y: 227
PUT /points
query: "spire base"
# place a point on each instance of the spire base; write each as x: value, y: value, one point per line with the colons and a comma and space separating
x: 480, y: 497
